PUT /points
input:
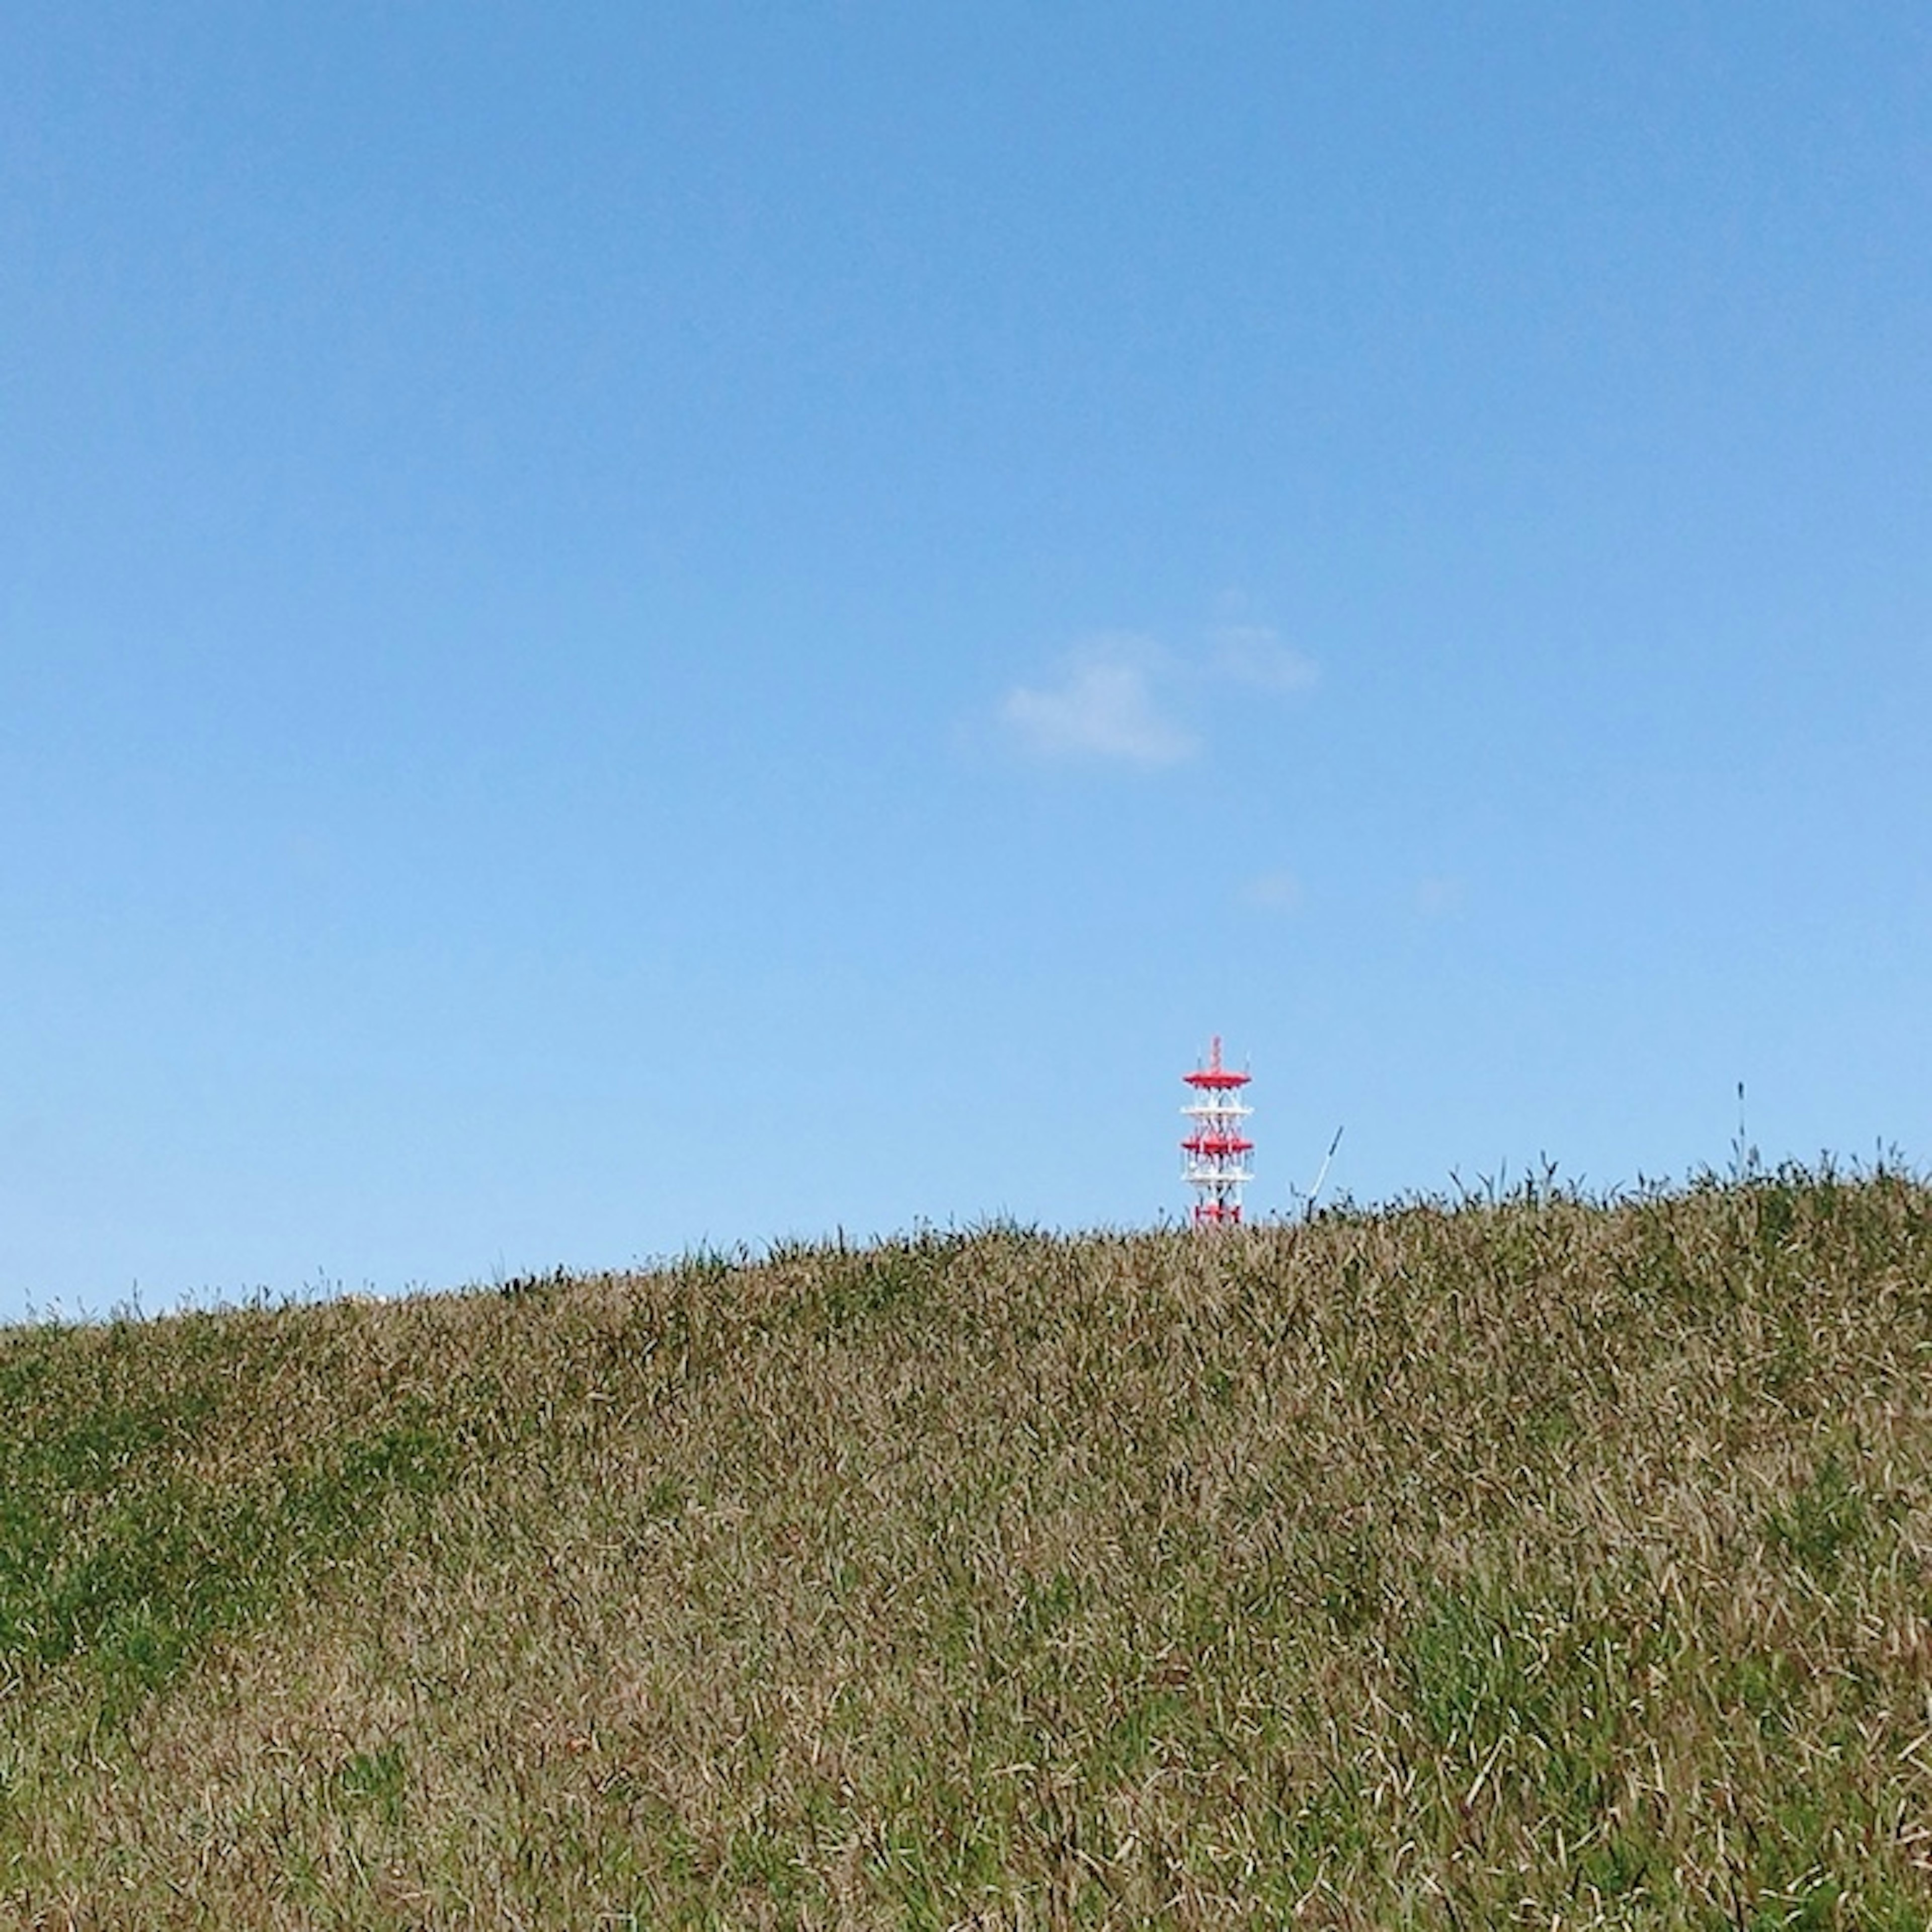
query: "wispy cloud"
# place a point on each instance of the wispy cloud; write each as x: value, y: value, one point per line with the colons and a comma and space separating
x: 1254, y: 655
x: 1122, y: 700
x: 1103, y: 710
x: 1273, y: 892
x: 1439, y: 898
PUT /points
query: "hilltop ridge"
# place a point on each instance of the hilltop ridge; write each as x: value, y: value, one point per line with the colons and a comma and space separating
x: 1530, y: 1559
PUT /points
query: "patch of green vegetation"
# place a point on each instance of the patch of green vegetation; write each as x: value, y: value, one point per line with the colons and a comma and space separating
x: 1825, y: 1520
x: 1771, y: 1688
x: 123, y: 1547
x: 872, y: 1285
x: 375, y: 1781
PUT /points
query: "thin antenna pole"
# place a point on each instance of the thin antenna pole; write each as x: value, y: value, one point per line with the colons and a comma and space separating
x: 1308, y: 1213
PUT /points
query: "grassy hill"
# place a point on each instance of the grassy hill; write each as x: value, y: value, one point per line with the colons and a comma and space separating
x: 1525, y: 1560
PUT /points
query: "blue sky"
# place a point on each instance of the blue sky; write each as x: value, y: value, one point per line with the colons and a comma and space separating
x: 627, y: 626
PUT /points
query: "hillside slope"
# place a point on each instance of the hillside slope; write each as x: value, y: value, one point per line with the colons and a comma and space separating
x: 1526, y: 1561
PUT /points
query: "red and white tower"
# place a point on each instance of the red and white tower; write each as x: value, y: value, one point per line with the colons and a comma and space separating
x: 1217, y: 1151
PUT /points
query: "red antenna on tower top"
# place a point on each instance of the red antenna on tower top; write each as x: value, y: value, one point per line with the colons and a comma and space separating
x: 1217, y: 1151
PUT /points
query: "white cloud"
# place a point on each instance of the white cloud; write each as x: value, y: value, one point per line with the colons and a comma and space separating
x: 1103, y: 710
x: 1112, y: 703
x: 1254, y: 654
x: 1439, y: 898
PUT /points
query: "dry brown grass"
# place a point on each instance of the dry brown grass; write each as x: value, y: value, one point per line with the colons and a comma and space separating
x: 1525, y: 1561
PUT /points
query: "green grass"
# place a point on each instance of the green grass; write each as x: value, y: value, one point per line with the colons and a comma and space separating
x: 1526, y: 1560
